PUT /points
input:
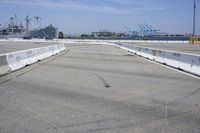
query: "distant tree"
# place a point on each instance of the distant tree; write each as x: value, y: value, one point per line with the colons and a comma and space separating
x: 60, y: 35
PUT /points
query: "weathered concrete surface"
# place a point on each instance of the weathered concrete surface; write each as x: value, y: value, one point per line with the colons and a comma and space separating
x: 11, y: 46
x: 97, y: 88
x: 186, y: 48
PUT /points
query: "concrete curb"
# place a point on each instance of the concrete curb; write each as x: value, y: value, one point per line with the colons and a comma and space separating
x: 16, y: 60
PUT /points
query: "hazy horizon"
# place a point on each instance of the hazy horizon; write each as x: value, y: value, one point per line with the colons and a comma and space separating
x: 85, y: 16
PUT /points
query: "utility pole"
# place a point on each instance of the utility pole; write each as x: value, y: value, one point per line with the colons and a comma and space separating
x: 194, y: 18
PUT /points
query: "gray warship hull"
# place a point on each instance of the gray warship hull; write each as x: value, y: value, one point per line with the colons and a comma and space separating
x: 48, y: 32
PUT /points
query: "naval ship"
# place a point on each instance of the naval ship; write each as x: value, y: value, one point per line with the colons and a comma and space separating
x: 31, y: 29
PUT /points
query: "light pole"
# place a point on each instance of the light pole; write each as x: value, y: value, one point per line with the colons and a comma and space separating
x: 194, y: 19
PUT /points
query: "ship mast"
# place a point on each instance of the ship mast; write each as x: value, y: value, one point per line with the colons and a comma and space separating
x: 12, y: 24
x: 27, y: 23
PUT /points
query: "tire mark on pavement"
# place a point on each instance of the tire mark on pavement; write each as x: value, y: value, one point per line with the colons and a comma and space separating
x: 106, y: 84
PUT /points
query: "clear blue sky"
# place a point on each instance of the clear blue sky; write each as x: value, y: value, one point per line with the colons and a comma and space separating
x: 84, y: 16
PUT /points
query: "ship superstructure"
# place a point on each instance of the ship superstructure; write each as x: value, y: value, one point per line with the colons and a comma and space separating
x: 30, y: 29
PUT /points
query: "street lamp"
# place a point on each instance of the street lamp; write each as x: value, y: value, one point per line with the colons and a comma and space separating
x: 194, y: 18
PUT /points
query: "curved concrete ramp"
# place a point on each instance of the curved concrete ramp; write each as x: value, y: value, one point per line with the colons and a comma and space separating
x: 99, y: 89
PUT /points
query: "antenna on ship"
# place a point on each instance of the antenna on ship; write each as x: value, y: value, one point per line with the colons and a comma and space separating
x: 16, y: 20
x: 37, y: 22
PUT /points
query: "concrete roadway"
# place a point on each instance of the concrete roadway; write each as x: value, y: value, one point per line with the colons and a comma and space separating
x: 98, y: 89
x: 186, y: 48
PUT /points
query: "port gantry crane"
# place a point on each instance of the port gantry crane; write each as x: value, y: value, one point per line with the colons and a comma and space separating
x: 152, y: 30
x: 144, y: 31
x: 131, y: 32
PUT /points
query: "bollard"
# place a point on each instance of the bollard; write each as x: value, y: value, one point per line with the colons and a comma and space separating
x: 194, y: 40
x: 197, y: 40
x: 191, y: 40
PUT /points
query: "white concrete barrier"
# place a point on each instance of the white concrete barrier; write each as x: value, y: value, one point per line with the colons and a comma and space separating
x: 92, y: 41
x: 17, y: 60
x: 116, y: 41
x: 187, y: 62
x: 4, y: 68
